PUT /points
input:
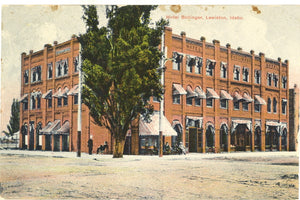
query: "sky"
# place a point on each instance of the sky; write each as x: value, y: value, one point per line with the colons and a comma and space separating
x: 271, y: 29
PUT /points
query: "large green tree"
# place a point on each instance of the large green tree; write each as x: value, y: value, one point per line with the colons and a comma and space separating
x: 120, y: 64
x: 14, y: 121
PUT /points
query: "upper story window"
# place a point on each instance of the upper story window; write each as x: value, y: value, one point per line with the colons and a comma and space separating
x: 50, y: 70
x: 190, y: 62
x: 76, y: 99
x: 284, y: 105
x: 38, y: 100
x: 269, y: 78
x: 258, y: 102
x: 269, y: 104
x: 245, y: 74
x: 177, y: 59
x: 199, y: 62
x: 223, y: 70
x: 236, y: 100
x: 62, y: 68
x: 76, y: 62
x: 275, y: 79
x: 236, y: 72
x: 32, y: 102
x: 177, y: 92
x: 24, y: 101
x: 190, y: 95
x: 284, y: 82
x: 210, y: 65
x: 209, y: 103
x: 274, y: 105
x: 26, y: 76
x: 36, y: 74
x: 257, y: 76
x: 245, y: 106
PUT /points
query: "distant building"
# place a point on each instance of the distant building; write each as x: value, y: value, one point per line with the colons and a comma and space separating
x: 294, y: 117
x: 216, y: 99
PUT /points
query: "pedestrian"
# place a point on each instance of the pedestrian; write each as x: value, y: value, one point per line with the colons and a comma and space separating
x: 90, y: 145
x: 182, y: 148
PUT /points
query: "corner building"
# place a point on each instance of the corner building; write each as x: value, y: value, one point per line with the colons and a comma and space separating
x: 221, y: 99
x: 216, y: 99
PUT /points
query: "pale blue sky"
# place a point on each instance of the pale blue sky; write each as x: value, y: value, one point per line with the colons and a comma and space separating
x: 274, y: 31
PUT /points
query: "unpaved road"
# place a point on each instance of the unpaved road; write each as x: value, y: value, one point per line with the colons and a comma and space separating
x: 270, y: 175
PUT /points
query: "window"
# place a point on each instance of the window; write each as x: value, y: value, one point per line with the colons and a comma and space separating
x: 274, y: 105
x: 209, y: 102
x: 257, y: 107
x: 177, y: 59
x: 76, y: 62
x: 155, y: 99
x: 223, y: 103
x: 245, y: 74
x: 65, y: 100
x: 59, y: 102
x: 210, y: 65
x: 197, y: 102
x: 50, y: 70
x: 236, y: 73
x: 223, y: 69
x: 198, y: 65
x: 176, y: 99
x: 269, y: 105
x: 257, y: 76
x: 245, y: 106
x: 284, y: 81
x: 36, y: 74
x: 26, y: 76
x: 275, y: 78
x: 190, y: 62
x: 33, y: 102
x: 62, y: 68
x: 189, y: 100
x: 236, y: 105
x: 49, y: 102
x: 38, y: 98
x: 284, y: 103
x: 25, y: 105
x: 269, y: 77
x: 76, y: 99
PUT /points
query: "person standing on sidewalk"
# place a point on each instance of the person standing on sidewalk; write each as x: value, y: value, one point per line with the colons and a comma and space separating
x: 90, y: 145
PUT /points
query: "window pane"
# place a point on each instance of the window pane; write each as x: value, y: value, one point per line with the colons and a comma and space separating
x: 223, y: 103
x: 198, y: 102
x: 209, y: 102
x: 236, y: 105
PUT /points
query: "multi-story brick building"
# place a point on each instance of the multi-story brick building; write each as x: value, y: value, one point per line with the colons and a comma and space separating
x: 216, y: 98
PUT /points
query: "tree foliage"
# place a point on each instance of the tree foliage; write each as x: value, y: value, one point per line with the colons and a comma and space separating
x: 14, y: 121
x: 120, y: 64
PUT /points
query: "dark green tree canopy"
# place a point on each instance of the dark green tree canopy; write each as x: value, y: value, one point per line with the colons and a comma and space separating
x: 14, y: 121
x: 120, y: 64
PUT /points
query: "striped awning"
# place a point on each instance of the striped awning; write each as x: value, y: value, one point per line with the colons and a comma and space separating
x: 259, y: 100
x: 225, y: 95
x: 47, y: 95
x: 190, y: 92
x: 178, y: 89
x: 152, y: 128
x: 24, y: 98
x: 74, y: 90
x: 65, y: 129
x: 52, y: 128
x: 211, y: 94
x: 247, y: 98
x: 61, y: 93
x: 58, y: 93
x: 201, y: 94
x: 237, y: 96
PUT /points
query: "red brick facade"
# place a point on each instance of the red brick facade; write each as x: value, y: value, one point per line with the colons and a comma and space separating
x: 207, y: 118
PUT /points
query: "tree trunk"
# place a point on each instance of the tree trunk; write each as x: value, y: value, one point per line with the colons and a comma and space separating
x: 118, y: 148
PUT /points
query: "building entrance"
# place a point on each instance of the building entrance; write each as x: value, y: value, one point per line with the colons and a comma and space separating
x: 241, y: 138
x: 272, y: 139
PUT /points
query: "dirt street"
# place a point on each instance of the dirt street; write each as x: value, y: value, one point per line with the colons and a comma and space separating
x: 257, y: 175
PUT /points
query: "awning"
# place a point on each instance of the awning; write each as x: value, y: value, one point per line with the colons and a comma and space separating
x: 237, y: 96
x: 190, y: 92
x: 61, y: 93
x: 58, y: 93
x: 24, y: 98
x: 178, y: 89
x: 236, y: 122
x: 152, y: 128
x: 275, y: 124
x: 284, y: 100
x: 247, y: 98
x: 193, y: 121
x: 46, y: 127
x: 65, y: 129
x: 200, y: 93
x: 259, y: 100
x: 52, y: 128
x: 74, y: 90
x: 47, y: 95
x: 211, y: 94
x: 224, y: 64
x: 225, y: 95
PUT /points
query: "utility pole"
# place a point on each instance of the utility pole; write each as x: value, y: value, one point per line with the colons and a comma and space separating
x: 161, y: 105
x: 79, y: 105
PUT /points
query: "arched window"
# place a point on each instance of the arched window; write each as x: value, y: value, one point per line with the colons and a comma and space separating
x: 236, y: 73
x: 223, y: 70
x: 269, y: 105
x: 274, y: 105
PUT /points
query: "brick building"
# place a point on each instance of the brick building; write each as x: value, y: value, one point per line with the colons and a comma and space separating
x: 216, y: 99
